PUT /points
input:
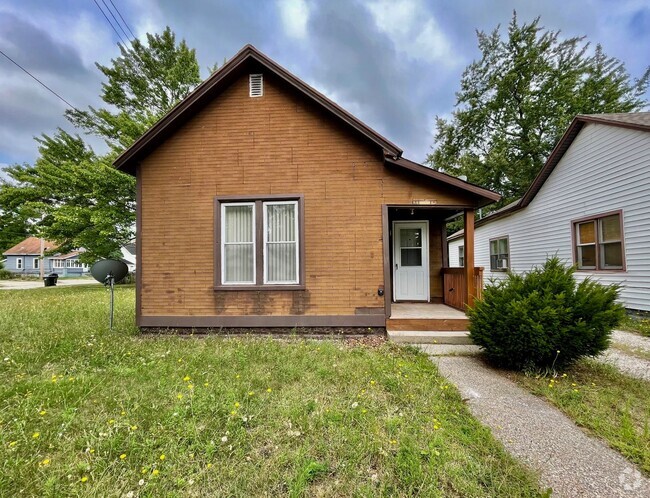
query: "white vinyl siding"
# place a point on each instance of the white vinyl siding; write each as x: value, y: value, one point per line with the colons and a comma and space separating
x: 605, y: 169
x: 281, y: 252
x: 238, y: 243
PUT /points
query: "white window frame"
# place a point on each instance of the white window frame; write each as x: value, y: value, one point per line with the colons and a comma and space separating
x: 223, y: 243
x: 265, y: 205
x: 36, y: 264
x: 59, y: 264
x: 497, y: 240
x: 19, y: 264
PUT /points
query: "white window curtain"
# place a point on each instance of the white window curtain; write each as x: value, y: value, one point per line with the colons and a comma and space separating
x: 238, y: 243
x: 281, y: 242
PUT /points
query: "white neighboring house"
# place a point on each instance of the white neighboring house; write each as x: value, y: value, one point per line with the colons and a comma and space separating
x: 590, y: 205
x: 129, y: 256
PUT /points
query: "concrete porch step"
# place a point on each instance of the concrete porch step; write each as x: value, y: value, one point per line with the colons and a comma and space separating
x: 428, y: 324
x: 429, y: 337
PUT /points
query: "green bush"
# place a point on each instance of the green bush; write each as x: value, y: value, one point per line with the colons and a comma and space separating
x: 5, y: 274
x: 544, y: 318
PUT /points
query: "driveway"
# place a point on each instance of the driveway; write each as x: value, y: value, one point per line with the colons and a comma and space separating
x: 37, y: 284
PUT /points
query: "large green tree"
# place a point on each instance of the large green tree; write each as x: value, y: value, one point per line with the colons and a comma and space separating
x: 515, y: 102
x: 71, y: 194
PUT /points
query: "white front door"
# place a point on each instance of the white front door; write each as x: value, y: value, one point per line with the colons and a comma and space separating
x: 411, y: 260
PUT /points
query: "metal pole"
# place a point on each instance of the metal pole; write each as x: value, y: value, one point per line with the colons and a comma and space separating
x: 111, y: 282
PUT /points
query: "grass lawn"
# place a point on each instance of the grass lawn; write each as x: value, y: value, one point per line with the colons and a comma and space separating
x: 638, y: 325
x: 88, y: 412
x: 609, y: 404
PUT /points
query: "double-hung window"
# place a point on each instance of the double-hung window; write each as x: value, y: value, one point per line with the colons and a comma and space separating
x: 260, y: 243
x: 599, y: 242
x: 499, y: 254
x: 19, y: 263
x: 461, y: 256
x: 36, y: 264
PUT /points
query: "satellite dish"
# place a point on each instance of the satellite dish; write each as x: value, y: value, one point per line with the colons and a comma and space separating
x: 106, y: 268
x: 107, y: 272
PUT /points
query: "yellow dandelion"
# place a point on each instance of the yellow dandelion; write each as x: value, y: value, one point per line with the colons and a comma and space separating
x: 162, y: 457
x: 372, y: 382
x: 111, y: 421
x: 393, y: 441
x: 237, y: 376
x: 268, y: 390
x: 36, y: 435
x: 44, y: 463
x: 250, y: 393
x: 13, y: 443
x: 233, y: 412
x: 206, y: 384
x: 122, y: 412
x: 155, y: 472
x: 180, y: 360
x: 179, y: 396
x: 84, y: 478
x: 186, y: 378
x: 209, y: 465
x: 237, y: 405
x: 42, y: 412
x: 190, y: 386
x: 134, y: 427
x: 122, y: 456
x: 92, y: 451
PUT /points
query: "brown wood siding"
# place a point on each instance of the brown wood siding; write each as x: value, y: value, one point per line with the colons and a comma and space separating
x: 276, y: 144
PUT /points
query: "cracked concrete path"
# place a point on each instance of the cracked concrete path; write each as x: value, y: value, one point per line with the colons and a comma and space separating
x: 568, y: 460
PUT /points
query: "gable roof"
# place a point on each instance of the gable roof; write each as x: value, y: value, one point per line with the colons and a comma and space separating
x: 219, y: 80
x: 632, y: 120
x: 31, y: 246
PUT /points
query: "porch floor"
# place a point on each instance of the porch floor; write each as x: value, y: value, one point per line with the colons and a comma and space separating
x: 425, y: 311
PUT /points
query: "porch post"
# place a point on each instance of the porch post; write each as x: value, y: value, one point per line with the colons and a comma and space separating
x: 469, y: 257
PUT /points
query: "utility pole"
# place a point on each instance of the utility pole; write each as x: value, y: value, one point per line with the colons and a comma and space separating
x: 40, y: 261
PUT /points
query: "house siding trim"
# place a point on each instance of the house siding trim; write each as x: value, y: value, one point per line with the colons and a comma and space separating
x: 252, y: 321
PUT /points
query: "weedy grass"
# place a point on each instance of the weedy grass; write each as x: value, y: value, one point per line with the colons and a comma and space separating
x: 89, y: 412
x: 609, y: 404
x: 638, y: 325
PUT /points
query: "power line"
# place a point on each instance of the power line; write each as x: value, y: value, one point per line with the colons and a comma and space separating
x: 109, y: 22
x: 120, y: 14
x: 115, y: 19
x: 40, y: 82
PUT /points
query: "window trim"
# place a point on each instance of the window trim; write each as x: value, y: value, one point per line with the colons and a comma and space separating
x: 222, y: 243
x: 20, y: 266
x: 594, y: 218
x: 36, y: 263
x: 258, y: 200
x: 265, y: 242
x: 461, y: 257
x: 507, y: 237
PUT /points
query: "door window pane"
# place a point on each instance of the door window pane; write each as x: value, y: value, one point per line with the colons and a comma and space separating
x: 281, y: 264
x: 239, y: 245
x: 410, y: 237
x: 411, y: 257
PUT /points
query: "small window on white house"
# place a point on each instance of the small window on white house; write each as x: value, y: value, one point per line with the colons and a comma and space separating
x: 238, y: 236
x: 58, y: 263
x: 599, y: 243
x: 281, y: 242
x: 461, y: 255
x: 37, y: 263
x: 19, y: 263
x: 499, y: 254
x: 256, y: 85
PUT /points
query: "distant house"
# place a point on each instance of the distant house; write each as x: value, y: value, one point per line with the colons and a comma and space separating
x: 24, y: 259
x: 129, y: 256
x: 590, y: 205
x: 262, y: 203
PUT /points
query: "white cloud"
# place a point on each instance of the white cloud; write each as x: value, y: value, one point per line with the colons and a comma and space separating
x: 413, y: 30
x: 294, y: 15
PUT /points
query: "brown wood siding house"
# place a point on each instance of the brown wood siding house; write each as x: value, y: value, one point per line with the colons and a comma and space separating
x: 278, y: 210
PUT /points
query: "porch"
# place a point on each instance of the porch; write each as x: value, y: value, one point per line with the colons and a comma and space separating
x: 427, y: 323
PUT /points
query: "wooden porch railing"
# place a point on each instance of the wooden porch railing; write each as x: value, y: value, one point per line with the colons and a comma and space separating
x: 455, y: 286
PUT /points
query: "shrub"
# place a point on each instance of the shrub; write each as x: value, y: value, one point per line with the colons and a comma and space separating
x: 5, y: 274
x: 544, y: 318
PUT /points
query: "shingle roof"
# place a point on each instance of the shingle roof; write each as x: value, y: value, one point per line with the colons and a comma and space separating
x: 31, y: 246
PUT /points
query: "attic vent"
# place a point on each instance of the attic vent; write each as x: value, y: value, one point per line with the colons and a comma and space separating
x: 256, y: 85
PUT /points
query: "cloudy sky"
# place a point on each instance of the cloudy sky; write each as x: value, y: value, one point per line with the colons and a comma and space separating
x: 393, y: 63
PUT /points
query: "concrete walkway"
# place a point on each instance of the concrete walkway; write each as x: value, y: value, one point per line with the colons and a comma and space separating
x: 18, y: 284
x: 569, y: 461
